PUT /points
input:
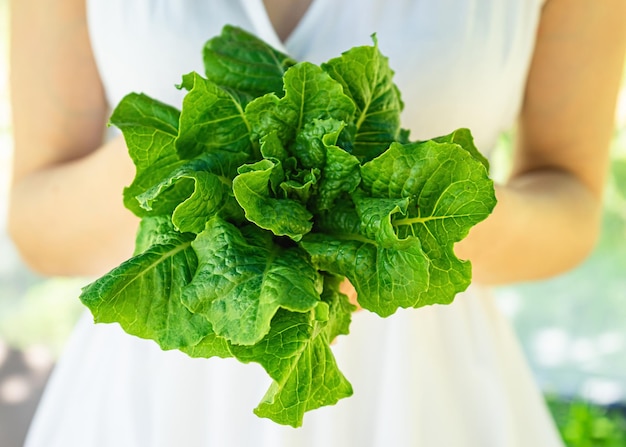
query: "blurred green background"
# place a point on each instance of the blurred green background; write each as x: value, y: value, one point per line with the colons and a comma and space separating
x: 572, y: 328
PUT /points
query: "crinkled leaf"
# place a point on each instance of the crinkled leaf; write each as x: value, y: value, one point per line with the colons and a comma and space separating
x: 272, y: 147
x: 310, y: 94
x: 316, y: 382
x: 143, y: 294
x: 200, y: 188
x: 211, y: 119
x: 366, y: 78
x: 296, y: 354
x: 342, y: 219
x: 341, y: 175
x: 312, y: 140
x: 301, y: 190
x: 299, y: 382
x: 450, y: 192
x: 463, y: 137
x: 282, y: 216
x: 211, y: 345
x: 211, y: 197
x: 210, y: 193
x: 241, y: 281
x: 150, y: 129
x: 375, y: 214
x: 385, y: 278
x: 359, y: 242
x: 240, y: 61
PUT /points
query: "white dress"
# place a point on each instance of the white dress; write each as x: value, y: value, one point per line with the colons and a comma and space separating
x: 441, y: 376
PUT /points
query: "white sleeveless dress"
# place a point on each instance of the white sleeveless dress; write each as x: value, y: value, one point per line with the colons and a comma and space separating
x: 441, y: 376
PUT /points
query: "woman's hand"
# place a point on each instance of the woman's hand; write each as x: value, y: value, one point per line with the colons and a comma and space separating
x: 348, y: 289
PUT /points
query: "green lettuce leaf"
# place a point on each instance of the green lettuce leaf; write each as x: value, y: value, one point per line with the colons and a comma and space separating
x: 464, y: 138
x: 310, y: 94
x: 341, y: 175
x: 242, y: 280
x: 144, y: 293
x: 384, y: 278
x: 283, y: 216
x: 312, y: 381
x: 211, y: 119
x: 311, y: 143
x: 244, y: 63
x: 296, y: 354
x: 210, y: 194
x: 150, y: 129
x: 366, y: 78
x: 449, y: 192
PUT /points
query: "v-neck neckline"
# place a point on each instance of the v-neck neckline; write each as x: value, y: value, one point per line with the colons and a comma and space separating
x: 266, y: 30
x: 291, y: 24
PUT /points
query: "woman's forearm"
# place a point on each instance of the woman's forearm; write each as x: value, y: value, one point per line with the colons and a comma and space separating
x: 545, y: 223
x: 69, y: 219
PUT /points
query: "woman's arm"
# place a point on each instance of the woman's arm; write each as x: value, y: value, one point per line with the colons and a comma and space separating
x: 66, y: 214
x: 549, y: 211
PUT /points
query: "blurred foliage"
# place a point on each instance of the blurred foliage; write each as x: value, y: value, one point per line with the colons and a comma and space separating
x: 43, y: 314
x: 582, y: 424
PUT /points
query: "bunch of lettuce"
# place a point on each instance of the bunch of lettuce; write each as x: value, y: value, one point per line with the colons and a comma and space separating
x: 274, y: 182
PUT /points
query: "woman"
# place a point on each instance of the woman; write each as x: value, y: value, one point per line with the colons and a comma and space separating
x: 440, y: 376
